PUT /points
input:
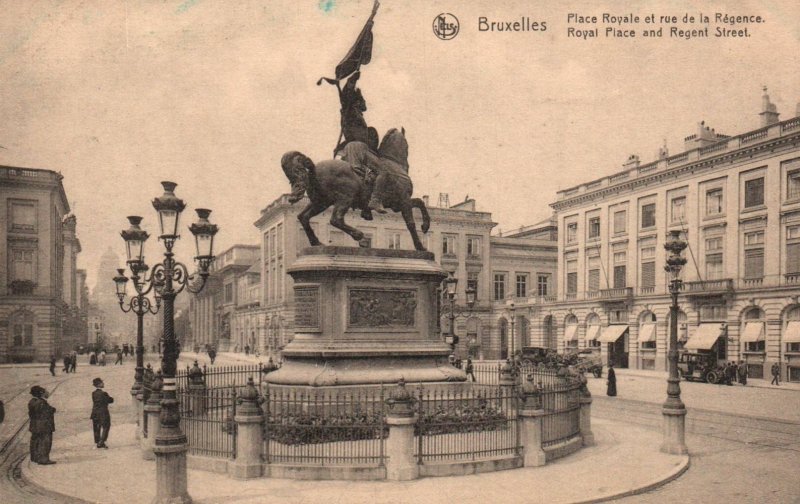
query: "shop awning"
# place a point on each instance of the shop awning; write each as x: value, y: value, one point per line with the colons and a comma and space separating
x: 792, y: 332
x: 753, y: 331
x: 704, y: 337
x: 647, y: 332
x: 612, y: 333
x: 571, y: 332
x: 592, y: 332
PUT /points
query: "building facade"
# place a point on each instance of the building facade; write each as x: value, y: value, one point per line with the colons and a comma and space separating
x: 729, y: 197
x: 39, y: 295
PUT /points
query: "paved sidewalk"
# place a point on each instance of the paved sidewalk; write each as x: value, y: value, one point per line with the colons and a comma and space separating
x: 624, y: 461
x: 751, y: 382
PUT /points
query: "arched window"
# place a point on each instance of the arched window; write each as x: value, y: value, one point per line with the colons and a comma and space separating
x: 524, y: 331
x: 790, y: 339
x: 592, y: 330
x: 753, y: 331
x: 503, y: 326
x: 22, y: 324
x: 571, y: 332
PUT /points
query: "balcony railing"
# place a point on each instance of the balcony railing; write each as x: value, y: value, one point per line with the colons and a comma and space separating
x: 616, y: 294
x: 708, y: 286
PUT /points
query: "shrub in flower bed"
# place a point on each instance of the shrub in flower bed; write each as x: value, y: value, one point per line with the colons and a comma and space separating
x: 304, y: 428
x: 462, y: 419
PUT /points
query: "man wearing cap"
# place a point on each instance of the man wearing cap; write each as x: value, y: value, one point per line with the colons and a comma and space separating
x: 101, y: 418
x: 42, y: 425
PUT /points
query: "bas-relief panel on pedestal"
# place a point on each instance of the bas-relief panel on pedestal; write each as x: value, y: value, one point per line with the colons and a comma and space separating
x: 382, y: 308
x: 306, y: 313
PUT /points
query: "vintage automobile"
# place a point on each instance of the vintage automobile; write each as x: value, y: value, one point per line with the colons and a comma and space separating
x: 699, y: 366
x: 532, y: 356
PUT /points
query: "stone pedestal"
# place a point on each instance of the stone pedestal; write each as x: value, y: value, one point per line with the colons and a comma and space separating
x: 401, y: 465
x: 249, y: 436
x: 586, y: 420
x: 152, y: 411
x: 365, y: 316
x: 531, y: 435
x: 674, y: 431
x: 171, y: 484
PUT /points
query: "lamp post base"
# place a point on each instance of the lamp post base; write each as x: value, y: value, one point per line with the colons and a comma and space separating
x: 171, y: 480
x: 674, y: 431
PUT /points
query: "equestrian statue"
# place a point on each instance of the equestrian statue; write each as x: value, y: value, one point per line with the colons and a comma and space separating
x: 363, y: 175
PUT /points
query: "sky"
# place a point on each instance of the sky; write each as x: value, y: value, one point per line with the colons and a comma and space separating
x: 119, y: 95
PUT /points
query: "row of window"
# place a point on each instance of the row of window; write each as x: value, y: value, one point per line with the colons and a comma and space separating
x: 521, y: 285
x: 753, y: 194
x: 450, y: 245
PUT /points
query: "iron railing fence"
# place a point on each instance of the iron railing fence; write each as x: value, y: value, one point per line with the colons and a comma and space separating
x: 488, y: 373
x: 561, y: 421
x: 217, y: 377
x: 207, y: 419
x: 325, y: 427
x: 467, y: 424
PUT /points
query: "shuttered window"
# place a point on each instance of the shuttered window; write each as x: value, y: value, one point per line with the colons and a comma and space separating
x: 619, y: 221
x: 648, y: 274
x: 594, y: 280
x: 648, y: 215
x: 754, y: 192
x: 714, y: 266
x: 572, y: 283
x: 793, y: 258
x: 754, y: 263
x: 619, y: 277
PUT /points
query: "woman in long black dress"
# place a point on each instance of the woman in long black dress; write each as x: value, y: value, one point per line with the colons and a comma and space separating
x: 611, y: 381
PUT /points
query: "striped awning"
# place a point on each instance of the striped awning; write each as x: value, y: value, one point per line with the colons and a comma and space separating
x: 571, y: 332
x: 704, y: 337
x: 792, y: 332
x: 612, y: 333
x: 647, y: 332
x: 753, y: 331
x: 592, y: 332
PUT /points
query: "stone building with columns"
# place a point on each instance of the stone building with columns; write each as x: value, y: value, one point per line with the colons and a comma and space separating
x: 40, y: 294
x: 729, y: 196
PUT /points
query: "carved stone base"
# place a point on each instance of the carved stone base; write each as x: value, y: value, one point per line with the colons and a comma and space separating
x: 365, y: 316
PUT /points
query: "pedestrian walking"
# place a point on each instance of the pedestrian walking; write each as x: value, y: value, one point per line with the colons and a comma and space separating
x: 776, y: 374
x: 742, y: 372
x: 470, y: 369
x: 735, y: 373
x: 102, y: 359
x: 101, y: 418
x: 92, y: 358
x: 730, y: 373
x: 73, y: 361
x: 611, y: 381
x: 42, y: 425
x: 119, y: 358
x: 247, y: 349
x: 212, y: 354
x: 53, y: 365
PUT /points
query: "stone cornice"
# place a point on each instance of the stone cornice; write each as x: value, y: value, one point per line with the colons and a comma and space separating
x: 670, y: 174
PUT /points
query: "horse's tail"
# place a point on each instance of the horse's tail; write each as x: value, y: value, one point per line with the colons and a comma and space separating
x: 426, y: 218
x: 300, y: 171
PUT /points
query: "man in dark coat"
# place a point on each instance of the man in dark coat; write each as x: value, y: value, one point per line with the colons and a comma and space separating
x: 101, y: 418
x: 42, y: 426
x: 611, y: 381
x: 53, y: 365
x: 742, y: 370
x: 776, y: 374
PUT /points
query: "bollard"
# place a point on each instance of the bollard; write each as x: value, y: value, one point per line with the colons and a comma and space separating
x: 401, y: 465
x: 249, y: 436
x: 152, y: 410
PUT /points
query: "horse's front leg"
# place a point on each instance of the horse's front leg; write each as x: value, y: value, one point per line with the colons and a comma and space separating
x: 337, y: 221
x: 305, y: 216
x: 408, y: 216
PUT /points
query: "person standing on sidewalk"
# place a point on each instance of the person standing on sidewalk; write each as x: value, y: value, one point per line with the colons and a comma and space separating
x: 101, y: 418
x: 776, y: 374
x: 53, y: 365
x: 42, y: 425
x: 611, y: 381
x: 119, y: 358
x: 73, y: 361
x: 470, y: 369
x: 742, y: 370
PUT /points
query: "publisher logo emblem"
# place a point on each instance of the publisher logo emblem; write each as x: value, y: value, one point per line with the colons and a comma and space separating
x: 445, y: 26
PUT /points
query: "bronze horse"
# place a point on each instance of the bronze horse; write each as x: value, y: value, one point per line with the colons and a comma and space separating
x: 335, y: 182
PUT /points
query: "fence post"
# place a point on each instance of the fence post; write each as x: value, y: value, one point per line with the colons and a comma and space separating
x: 249, y: 435
x: 152, y: 410
x: 197, y: 390
x: 401, y: 464
x: 531, y: 415
x: 508, y: 377
x: 585, y: 401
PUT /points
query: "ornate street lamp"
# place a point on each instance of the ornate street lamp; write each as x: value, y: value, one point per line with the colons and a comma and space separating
x: 455, y: 311
x: 673, y: 409
x: 168, y: 279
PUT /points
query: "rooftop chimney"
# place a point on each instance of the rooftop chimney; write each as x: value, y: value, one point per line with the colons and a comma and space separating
x: 444, y: 200
x: 663, y: 152
x: 426, y: 199
x: 704, y: 136
x: 769, y: 113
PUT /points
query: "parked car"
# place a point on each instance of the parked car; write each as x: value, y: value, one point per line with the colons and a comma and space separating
x: 700, y: 366
x: 589, y: 361
x: 531, y: 356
